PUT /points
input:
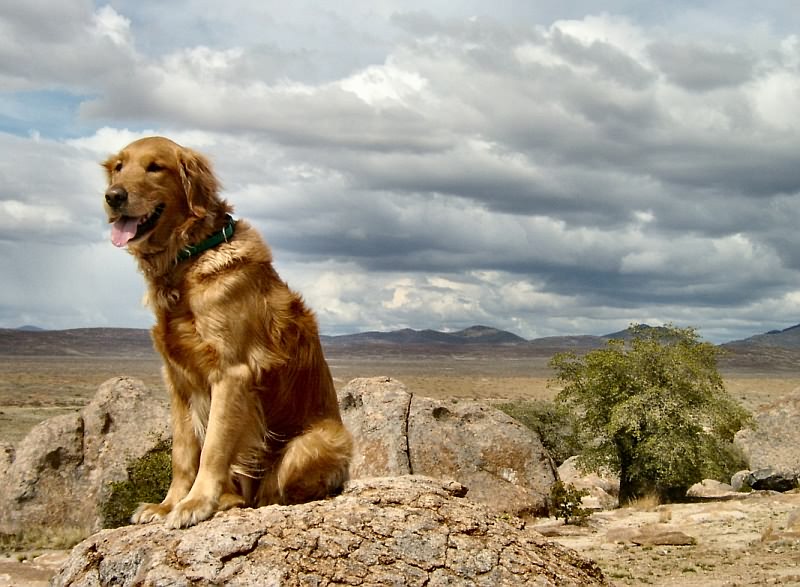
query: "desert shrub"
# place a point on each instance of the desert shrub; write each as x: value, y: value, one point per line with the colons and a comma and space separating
x: 655, y: 410
x: 565, y: 502
x: 148, y: 481
x: 554, y: 424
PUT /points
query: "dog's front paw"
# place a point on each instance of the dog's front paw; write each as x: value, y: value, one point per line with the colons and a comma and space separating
x: 190, y: 512
x: 150, y: 512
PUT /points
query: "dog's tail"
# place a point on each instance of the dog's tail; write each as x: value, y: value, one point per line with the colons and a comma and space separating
x: 315, y: 464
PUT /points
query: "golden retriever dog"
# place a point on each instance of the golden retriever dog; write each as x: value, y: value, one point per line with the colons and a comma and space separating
x: 255, y: 418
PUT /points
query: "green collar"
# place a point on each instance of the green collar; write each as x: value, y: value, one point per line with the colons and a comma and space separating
x: 210, y: 242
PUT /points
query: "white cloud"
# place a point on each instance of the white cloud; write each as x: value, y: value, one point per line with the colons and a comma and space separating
x: 109, y: 23
x: 379, y: 84
x: 615, y: 31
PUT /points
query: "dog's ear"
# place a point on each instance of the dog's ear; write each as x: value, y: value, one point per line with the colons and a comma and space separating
x: 198, y: 179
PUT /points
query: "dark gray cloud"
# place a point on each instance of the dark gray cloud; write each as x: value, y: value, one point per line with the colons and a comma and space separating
x: 697, y: 67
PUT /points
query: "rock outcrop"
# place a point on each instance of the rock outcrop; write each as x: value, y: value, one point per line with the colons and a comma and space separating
x: 503, y: 463
x: 773, y: 443
x: 60, y: 472
x: 770, y: 448
x: 382, y: 531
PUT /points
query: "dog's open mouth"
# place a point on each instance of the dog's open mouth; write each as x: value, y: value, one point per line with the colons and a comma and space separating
x: 129, y: 228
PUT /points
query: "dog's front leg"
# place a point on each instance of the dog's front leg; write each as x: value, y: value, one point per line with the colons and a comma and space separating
x: 185, y: 459
x: 230, y: 415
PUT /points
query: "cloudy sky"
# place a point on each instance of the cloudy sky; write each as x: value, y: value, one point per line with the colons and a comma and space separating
x: 549, y: 167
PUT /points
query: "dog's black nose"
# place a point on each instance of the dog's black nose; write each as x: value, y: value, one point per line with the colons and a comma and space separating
x: 116, y: 196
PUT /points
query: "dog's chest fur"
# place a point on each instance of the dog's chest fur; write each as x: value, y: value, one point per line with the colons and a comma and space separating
x: 188, y: 356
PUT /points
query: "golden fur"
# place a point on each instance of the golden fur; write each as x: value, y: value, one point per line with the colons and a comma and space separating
x: 255, y: 418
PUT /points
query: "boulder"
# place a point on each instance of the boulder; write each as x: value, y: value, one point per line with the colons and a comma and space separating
x: 710, y: 489
x: 654, y: 536
x: 772, y: 479
x: 60, y: 472
x: 382, y: 531
x: 774, y: 440
x: 650, y: 535
x: 739, y: 480
x: 503, y: 463
x: 603, y: 489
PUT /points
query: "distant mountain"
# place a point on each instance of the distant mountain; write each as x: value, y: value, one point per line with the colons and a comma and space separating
x: 581, y: 342
x: 474, y: 335
x: 487, y: 335
x: 80, y: 342
x: 781, y: 346
x: 576, y: 343
x: 30, y: 328
x: 133, y: 342
x: 627, y: 334
x: 788, y: 338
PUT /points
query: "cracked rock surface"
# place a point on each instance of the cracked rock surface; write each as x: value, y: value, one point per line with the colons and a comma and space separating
x: 408, y: 530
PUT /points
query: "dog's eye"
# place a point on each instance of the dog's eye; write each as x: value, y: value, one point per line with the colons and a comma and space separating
x: 118, y: 166
x: 154, y: 167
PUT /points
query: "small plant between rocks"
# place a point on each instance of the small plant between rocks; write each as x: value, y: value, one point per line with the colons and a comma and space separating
x: 565, y: 502
x: 148, y: 481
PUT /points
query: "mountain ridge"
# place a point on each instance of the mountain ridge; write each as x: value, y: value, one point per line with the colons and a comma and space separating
x: 105, y: 341
x: 786, y: 338
x: 477, y: 334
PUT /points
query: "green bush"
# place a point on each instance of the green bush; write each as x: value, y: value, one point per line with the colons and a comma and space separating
x: 565, y: 502
x: 653, y: 409
x: 148, y: 481
x: 554, y: 424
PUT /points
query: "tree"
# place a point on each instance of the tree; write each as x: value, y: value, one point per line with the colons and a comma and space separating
x: 654, y: 409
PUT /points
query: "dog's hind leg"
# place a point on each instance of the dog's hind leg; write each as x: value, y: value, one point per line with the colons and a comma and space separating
x: 315, y: 464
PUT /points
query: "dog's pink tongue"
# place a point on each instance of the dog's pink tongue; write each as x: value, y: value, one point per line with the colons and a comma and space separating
x: 123, y: 230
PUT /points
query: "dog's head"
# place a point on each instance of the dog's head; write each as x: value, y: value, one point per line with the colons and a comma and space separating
x: 156, y: 190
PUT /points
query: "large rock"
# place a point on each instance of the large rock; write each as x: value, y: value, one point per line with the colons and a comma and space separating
x: 772, y: 479
x: 711, y: 489
x: 390, y: 531
x: 774, y: 441
x: 60, y: 472
x: 397, y: 433
x: 603, y: 489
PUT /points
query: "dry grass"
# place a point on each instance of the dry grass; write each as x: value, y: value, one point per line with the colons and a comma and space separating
x: 646, y: 503
x: 34, y: 389
x: 43, y: 538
